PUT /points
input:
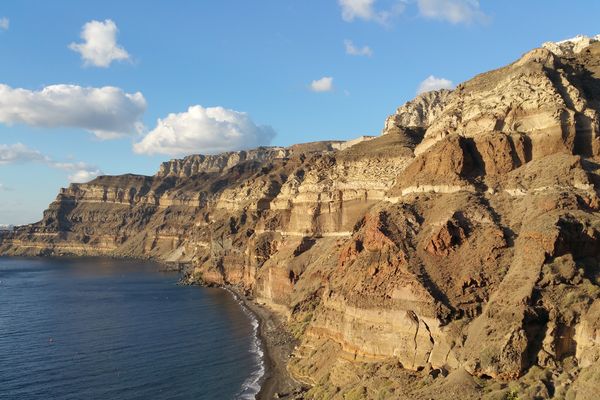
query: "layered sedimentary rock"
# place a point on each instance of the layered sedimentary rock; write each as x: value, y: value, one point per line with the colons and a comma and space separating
x: 456, y: 254
x: 540, y: 95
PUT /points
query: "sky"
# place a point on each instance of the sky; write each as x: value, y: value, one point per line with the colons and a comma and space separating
x: 113, y: 87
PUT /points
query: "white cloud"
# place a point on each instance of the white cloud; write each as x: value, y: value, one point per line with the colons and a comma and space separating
x: 204, y: 130
x: 352, y: 9
x: 107, y: 112
x: 453, y: 11
x: 325, y: 84
x: 434, y: 83
x: 365, y: 10
x: 352, y: 50
x: 4, y: 23
x: 18, y: 153
x: 100, y: 46
x: 84, y: 176
x: 80, y: 172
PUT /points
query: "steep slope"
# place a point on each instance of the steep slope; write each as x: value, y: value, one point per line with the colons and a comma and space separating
x: 456, y: 254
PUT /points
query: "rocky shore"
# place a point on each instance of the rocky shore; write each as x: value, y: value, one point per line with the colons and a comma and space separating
x: 278, y: 346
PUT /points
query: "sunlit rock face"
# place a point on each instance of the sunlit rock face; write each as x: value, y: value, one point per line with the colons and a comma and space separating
x: 463, y: 240
x: 571, y: 47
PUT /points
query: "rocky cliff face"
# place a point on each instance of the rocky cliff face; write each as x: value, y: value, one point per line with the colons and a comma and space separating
x: 456, y: 254
x: 418, y: 114
x: 570, y: 47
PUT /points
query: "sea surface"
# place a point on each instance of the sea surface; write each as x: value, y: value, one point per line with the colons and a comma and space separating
x: 106, y: 329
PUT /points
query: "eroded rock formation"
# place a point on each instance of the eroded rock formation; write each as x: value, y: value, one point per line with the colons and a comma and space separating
x: 456, y: 254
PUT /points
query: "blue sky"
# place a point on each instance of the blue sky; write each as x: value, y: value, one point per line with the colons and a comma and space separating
x: 223, y: 58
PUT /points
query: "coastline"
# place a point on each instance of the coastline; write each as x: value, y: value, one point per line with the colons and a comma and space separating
x: 276, y: 343
x: 207, y: 338
x: 277, y: 346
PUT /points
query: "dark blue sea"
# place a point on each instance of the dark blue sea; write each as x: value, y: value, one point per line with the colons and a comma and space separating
x: 106, y: 329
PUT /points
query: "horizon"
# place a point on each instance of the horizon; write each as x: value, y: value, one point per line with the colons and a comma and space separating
x: 110, y: 91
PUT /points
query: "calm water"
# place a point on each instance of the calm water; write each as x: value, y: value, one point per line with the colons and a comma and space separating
x: 104, y: 329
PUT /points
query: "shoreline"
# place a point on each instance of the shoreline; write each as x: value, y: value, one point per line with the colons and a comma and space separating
x: 277, y: 346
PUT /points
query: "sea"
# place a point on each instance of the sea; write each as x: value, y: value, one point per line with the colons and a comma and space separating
x: 90, y: 328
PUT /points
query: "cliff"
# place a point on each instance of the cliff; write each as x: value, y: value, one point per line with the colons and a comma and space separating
x: 455, y: 254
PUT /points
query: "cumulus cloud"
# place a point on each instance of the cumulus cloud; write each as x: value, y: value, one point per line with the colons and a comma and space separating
x: 18, y: 153
x: 4, y: 23
x: 79, y: 172
x: 107, y: 112
x: 84, y: 176
x: 99, y: 47
x: 434, y: 83
x: 352, y: 50
x: 453, y: 11
x: 366, y: 10
x: 325, y: 84
x: 204, y: 130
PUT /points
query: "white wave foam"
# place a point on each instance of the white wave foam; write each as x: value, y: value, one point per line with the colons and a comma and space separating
x: 252, y: 384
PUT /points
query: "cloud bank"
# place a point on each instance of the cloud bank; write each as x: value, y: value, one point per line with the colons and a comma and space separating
x: 204, y: 130
x: 434, y: 83
x: 99, y: 47
x: 107, y: 112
